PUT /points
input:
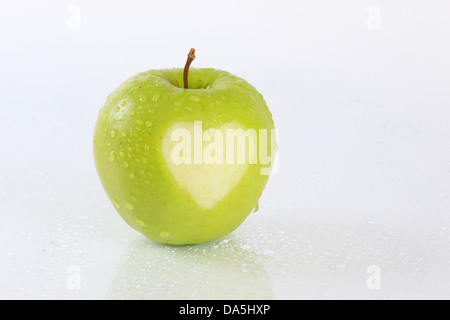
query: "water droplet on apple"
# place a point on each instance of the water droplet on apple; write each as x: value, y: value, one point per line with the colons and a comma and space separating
x: 125, y: 164
x: 129, y: 206
x: 148, y: 123
x: 155, y: 98
x: 123, y: 134
x: 117, y: 109
x: 122, y: 154
x: 123, y: 103
x: 132, y: 112
x: 116, y: 203
x: 132, y: 175
x: 140, y: 223
x: 113, y: 133
x: 112, y: 156
x: 195, y: 98
x: 188, y: 109
x: 142, y: 98
x: 139, y: 122
x: 164, y: 234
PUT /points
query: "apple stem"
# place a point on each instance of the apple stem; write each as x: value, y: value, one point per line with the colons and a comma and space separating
x: 190, y: 58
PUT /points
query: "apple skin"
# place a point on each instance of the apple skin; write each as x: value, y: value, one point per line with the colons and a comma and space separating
x: 128, y: 151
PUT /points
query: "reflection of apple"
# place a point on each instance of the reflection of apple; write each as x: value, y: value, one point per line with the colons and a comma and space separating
x: 220, y: 269
x: 169, y: 201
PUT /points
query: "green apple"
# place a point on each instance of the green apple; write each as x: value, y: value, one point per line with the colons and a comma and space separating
x: 160, y: 158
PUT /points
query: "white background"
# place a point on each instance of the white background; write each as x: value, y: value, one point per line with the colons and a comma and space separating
x: 362, y: 104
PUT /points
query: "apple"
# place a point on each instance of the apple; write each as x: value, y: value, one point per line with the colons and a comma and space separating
x: 184, y: 155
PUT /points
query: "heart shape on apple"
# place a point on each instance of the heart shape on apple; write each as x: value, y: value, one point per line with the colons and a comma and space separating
x: 207, y: 183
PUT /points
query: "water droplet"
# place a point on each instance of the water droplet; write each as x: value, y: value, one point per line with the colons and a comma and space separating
x: 122, y: 154
x: 188, y: 109
x: 132, y: 175
x: 116, y: 203
x: 195, y: 98
x: 129, y: 206
x: 125, y: 164
x: 112, y: 156
x: 143, y: 98
x: 146, y: 147
x: 117, y: 109
x: 148, y: 123
x: 265, y: 252
x: 139, y: 122
x: 123, y: 134
x: 123, y: 103
x: 155, y: 98
x: 113, y: 133
x: 132, y: 112
x: 164, y: 234
x: 140, y: 223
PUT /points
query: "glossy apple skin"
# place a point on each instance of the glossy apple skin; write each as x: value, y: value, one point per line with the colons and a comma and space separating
x: 127, y: 151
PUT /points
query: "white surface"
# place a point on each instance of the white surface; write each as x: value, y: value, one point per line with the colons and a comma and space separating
x: 363, y: 116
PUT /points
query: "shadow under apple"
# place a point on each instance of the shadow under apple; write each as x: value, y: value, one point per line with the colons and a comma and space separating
x: 220, y: 269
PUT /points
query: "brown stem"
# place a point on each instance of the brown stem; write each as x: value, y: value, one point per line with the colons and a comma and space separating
x: 190, y: 58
